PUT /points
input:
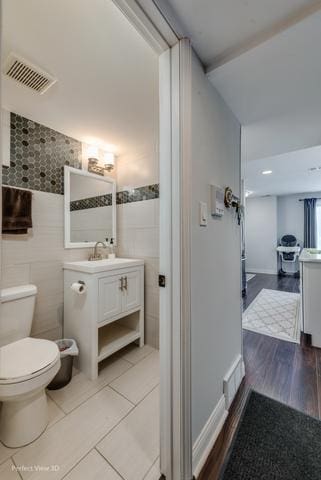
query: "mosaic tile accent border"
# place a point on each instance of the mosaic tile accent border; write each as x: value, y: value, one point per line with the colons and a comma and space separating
x: 92, y: 202
x: 37, y: 156
x: 139, y: 194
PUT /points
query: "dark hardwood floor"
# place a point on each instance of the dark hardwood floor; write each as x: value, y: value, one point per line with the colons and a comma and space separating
x: 285, y: 371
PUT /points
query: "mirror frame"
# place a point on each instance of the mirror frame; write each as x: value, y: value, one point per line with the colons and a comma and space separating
x: 67, y: 173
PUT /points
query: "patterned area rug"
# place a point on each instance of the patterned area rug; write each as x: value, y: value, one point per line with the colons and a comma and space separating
x: 249, y: 276
x: 276, y: 314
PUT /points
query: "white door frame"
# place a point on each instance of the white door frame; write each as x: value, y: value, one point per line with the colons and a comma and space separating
x: 175, y: 97
x: 181, y: 248
x: 175, y: 298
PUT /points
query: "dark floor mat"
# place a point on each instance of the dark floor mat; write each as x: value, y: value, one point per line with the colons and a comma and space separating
x: 274, y: 442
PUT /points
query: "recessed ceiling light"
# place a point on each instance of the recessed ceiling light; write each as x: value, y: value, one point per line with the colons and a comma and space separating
x: 266, y: 172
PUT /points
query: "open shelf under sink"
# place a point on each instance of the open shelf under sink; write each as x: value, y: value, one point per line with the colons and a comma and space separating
x: 113, y: 337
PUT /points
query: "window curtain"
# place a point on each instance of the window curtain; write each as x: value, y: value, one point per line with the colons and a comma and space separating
x: 310, y: 223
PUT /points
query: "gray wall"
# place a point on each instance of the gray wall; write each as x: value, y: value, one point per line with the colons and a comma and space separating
x: 216, y: 315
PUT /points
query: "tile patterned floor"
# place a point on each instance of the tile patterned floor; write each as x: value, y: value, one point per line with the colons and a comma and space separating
x: 108, y: 428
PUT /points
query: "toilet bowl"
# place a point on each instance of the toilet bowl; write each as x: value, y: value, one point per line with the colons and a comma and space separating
x: 27, y: 366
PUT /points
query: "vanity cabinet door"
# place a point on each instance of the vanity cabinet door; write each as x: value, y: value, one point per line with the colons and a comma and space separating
x: 110, y: 297
x: 132, y: 291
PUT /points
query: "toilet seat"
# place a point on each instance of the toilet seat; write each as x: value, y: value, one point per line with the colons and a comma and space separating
x: 26, y: 359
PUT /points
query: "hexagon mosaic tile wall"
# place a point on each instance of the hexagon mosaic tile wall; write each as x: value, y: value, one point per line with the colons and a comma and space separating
x: 38, y: 155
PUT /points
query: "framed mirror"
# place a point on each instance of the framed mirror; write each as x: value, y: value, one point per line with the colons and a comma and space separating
x: 90, y: 208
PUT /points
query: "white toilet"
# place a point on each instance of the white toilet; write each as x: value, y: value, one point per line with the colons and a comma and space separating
x: 27, y: 366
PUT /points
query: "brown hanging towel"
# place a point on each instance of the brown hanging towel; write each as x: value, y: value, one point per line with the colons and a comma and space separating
x: 16, y: 211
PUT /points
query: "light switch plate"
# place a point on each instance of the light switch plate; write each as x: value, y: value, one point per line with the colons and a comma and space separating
x: 203, y: 214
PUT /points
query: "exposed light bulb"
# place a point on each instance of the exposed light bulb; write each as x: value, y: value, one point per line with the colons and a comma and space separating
x: 109, y: 161
x: 92, y: 152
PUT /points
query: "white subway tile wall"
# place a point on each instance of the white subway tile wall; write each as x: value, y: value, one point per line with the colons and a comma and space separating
x: 138, y: 236
x: 38, y: 258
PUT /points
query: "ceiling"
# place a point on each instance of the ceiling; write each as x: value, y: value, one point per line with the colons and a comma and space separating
x: 264, y: 59
x: 277, y: 76
x: 274, y: 90
x: 290, y: 173
x: 107, y: 89
x: 218, y: 27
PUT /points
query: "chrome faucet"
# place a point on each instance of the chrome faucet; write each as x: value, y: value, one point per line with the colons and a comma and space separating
x: 95, y: 255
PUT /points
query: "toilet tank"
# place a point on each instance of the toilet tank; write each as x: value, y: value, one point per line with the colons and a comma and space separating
x: 17, y: 309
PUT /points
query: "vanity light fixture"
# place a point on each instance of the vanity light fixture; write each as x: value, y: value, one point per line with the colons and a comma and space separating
x: 92, y: 152
x: 266, y: 172
x: 109, y: 161
x: 99, y: 162
x: 93, y: 160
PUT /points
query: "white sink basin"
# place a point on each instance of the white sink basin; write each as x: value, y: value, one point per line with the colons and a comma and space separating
x: 97, y: 266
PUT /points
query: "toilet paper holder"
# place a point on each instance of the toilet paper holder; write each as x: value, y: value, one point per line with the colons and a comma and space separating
x: 79, y: 287
x: 80, y: 281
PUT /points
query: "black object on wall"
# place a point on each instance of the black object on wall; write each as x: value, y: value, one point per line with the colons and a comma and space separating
x: 16, y: 211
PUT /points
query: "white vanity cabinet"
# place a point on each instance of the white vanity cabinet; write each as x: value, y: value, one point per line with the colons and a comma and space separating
x: 109, y: 314
x: 310, y: 269
x: 119, y: 294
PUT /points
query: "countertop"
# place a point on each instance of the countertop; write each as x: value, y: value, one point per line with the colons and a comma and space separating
x: 306, y: 256
x: 105, y: 265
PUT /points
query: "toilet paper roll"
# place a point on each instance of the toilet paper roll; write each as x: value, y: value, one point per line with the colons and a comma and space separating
x: 78, y: 287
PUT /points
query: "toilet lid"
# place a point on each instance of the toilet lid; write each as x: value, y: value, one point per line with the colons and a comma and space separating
x: 26, y: 357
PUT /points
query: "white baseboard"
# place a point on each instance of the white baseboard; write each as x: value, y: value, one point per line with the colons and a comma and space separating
x: 205, y: 441
x: 232, y: 380
x: 207, y: 438
x: 269, y: 271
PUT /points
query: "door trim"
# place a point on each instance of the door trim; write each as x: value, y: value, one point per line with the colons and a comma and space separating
x: 165, y: 262
x: 156, y: 31
x: 175, y: 346
x: 185, y: 244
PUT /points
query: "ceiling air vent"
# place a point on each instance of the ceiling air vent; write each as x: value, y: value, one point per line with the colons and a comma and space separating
x: 27, y: 74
